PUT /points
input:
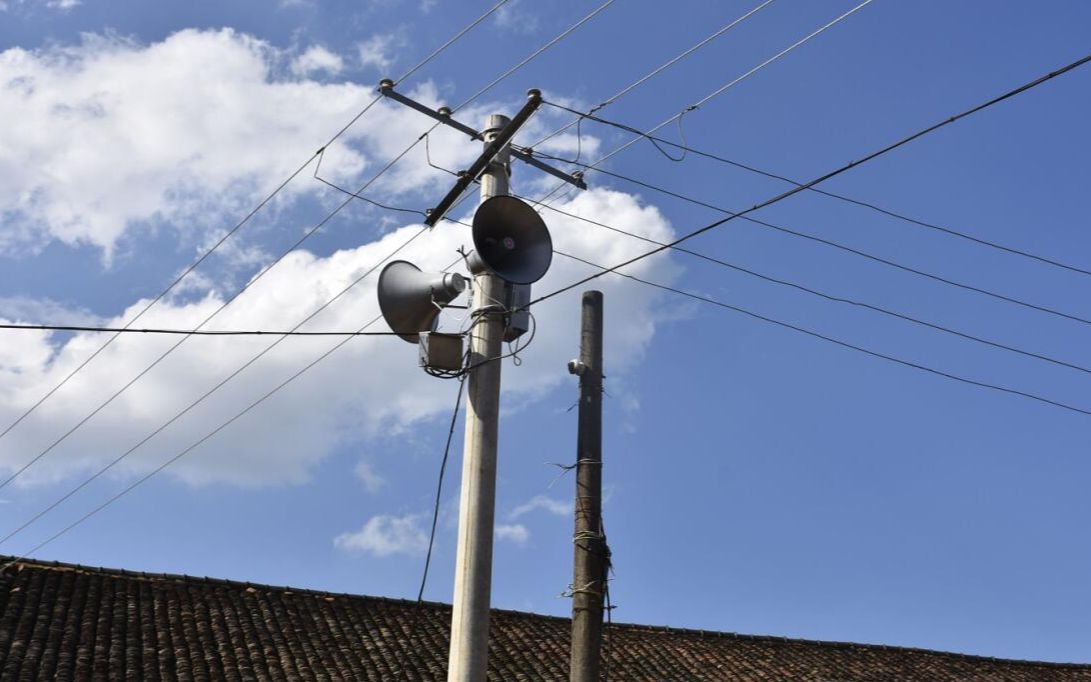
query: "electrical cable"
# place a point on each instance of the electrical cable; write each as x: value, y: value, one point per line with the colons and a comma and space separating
x: 842, y: 247
x: 565, y: 33
x: 833, y: 195
x: 203, y: 396
x: 182, y: 453
x: 418, y: 606
x: 439, y: 490
x: 368, y: 200
x: 724, y: 88
x: 26, y: 413
x: 306, y: 236
x: 655, y: 72
x: 839, y: 342
x: 838, y: 171
x: 526, y: 60
x: 30, y: 410
x: 203, y: 332
x: 830, y: 297
x: 201, y: 440
x: 206, y: 320
x: 454, y: 39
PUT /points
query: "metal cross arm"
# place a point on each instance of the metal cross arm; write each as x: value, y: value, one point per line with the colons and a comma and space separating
x: 443, y: 115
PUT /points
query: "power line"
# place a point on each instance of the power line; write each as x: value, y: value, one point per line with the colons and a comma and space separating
x: 655, y: 72
x: 556, y: 39
x: 182, y: 453
x: 842, y: 247
x: 719, y: 91
x: 26, y: 413
x: 184, y: 332
x: 831, y: 297
x: 822, y: 29
x: 834, y: 173
x: 833, y: 195
x: 196, y: 402
x: 207, y: 319
x: 255, y: 358
x: 839, y: 342
x: 201, y: 440
x: 439, y: 489
x: 454, y: 39
x: 417, y: 607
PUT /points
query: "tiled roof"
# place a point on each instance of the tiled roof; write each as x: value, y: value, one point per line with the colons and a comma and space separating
x: 64, y: 622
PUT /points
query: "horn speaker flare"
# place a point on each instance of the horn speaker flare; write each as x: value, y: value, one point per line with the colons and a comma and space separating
x: 410, y: 300
x: 510, y: 240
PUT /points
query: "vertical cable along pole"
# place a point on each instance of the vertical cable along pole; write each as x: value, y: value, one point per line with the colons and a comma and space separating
x: 468, y: 660
x: 590, y: 564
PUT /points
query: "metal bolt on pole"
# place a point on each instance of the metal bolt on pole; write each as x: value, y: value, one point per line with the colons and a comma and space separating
x: 468, y: 660
x: 590, y: 563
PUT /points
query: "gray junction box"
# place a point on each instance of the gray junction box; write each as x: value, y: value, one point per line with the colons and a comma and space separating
x: 441, y: 352
x: 518, y: 296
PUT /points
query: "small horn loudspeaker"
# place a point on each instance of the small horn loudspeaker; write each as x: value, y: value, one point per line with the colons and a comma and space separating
x: 510, y: 240
x: 410, y: 299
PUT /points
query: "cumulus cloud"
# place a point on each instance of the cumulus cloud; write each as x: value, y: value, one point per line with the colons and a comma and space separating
x: 101, y: 143
x: 328, y: 404
x: 549, y: 504
x: 110, y: 138
x: 385, y: 535
x: 514, y: 533
x: 317, y: 59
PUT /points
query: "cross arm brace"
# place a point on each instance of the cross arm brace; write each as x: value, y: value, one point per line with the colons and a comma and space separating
x: 443, y: 115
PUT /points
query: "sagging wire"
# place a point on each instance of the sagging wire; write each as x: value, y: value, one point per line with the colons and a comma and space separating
x: 418, y: 607
x: 428, y: 156
x: 356, y: 195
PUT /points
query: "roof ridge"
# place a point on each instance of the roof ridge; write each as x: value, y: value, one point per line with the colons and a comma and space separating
x: 208, y: 581
x: 204, y: 580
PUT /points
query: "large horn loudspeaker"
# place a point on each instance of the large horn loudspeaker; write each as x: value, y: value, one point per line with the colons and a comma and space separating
x: 410, y: 300
x: 510, y: 240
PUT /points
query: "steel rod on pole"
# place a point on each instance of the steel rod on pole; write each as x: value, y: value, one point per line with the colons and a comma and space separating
x: 468, y: 660
x: 590, y: 563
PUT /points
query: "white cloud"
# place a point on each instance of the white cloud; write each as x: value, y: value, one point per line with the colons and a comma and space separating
x: 515, y: 533
x: 375, y: 52
x: 110, y: 138
x: 372, y: 481
x: 100, y: 142
x: 371, y: 386
x: 549, y: 504
x: 63, y: 5
x: 385, y: 535
x: 317, y: 59
x: 29, y: 310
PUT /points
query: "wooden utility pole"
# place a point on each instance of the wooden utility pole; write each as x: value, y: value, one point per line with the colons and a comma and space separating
x: 468, y: 660
x: 590, y: 564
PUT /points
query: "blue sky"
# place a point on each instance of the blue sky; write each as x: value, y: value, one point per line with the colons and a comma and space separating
x: 758, y: 480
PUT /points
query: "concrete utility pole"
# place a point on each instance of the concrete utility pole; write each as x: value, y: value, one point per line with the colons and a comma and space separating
x: 591, y: 563
x: 473, y: 565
